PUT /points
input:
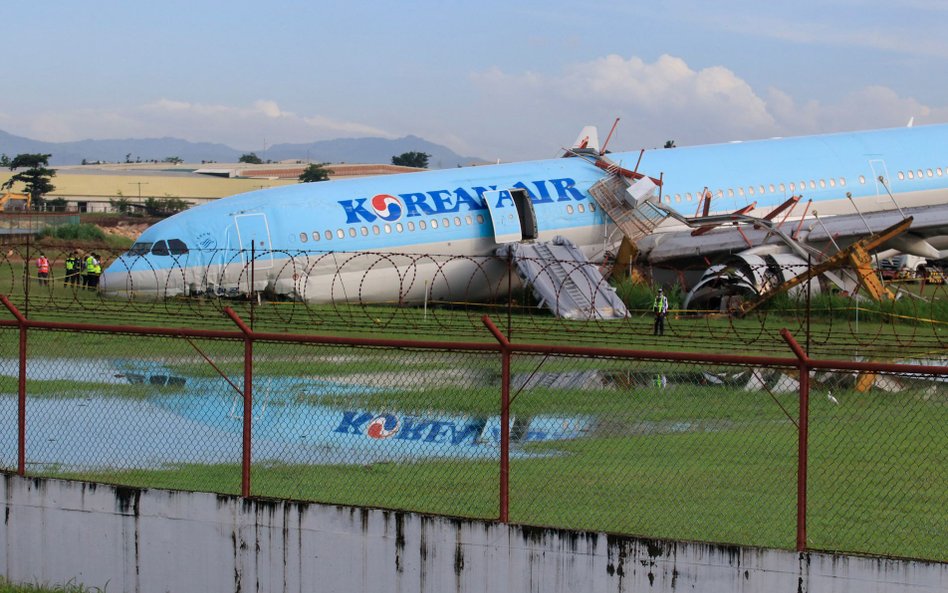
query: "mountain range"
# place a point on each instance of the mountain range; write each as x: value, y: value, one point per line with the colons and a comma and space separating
x: 343, y: 150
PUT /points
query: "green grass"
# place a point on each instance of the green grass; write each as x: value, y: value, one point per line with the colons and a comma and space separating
x: 8, y: 587
x: 712, y: 464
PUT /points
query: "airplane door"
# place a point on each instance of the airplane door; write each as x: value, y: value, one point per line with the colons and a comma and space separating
x: 511, y: 214
x: 879, y: 170
x: 253, y: 235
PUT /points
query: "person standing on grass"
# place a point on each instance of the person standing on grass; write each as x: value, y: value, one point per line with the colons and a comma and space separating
x: 72, y: 269
x: 660, y: 308
x: 42, y: 269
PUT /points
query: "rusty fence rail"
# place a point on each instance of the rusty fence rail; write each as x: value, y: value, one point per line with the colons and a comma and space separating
x: 788, y: 452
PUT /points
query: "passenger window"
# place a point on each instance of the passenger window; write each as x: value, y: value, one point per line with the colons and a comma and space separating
x: 388, y: 229
x: 329, y: 235
x: 411, y: 226
x: 376, y: 230
x: 468, y: 219
x: 822, y: 184
x: 315, y: 235
x: 920, y: 175
x: 901, y: 176
x: 910, y: 175
x: 446, y: 223
x: 434, y: 223
x: 569, y: 208
x: 457, y: 221
x: 832, y: 182
x: 581, y: 208
x: 364, y: 231
x: 160, y: 248
x: 730, y: 192
x: 399, y: 227
x: 862, y: 178
x: 750, y: 190
x: 341, y: 233
x: 930, y: 174
x: 783, y: 188
x: 592, y: 206
x: 812, y: 184
x: 480, y: 219
x: 422, y: 225
x: 304, y: 238
x: 352, y: 232
x: 842, y: 181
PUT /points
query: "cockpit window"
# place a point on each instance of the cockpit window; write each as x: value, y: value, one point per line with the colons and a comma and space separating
x: 140, y: 248
x: 160, y: 248
x: 177, y: 247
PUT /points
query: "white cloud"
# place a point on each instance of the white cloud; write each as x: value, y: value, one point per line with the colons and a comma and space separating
x: 667, y: 99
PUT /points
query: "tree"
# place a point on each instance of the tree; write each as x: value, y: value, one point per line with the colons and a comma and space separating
x: 36, y: 176
x: 670, y: 144
x: 174, y: 160
x: 412, y: 159
x: 315, y: 172
x: 250, y: 158
x: 4, y: 160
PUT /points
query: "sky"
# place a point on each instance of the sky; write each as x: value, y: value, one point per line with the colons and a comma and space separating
x: 503, y: 81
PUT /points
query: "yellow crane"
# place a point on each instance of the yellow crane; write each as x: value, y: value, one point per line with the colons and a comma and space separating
x: 14, y: 201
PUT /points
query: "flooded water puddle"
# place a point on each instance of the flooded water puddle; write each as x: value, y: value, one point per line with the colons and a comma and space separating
x: 185, y: 419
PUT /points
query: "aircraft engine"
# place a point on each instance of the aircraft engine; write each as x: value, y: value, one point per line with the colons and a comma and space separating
x: 743, y: 277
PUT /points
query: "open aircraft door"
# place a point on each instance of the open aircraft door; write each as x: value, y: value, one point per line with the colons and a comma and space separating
x: 248, y: 241
x: 512, y: 215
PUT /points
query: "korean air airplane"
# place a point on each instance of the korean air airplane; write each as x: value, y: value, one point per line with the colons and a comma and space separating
x: 435, y: 234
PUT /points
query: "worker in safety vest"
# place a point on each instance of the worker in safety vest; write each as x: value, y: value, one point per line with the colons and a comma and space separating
x: 660, y: 308
x: 88, y: 271
x: 73, y: 264
x: 96, y: 271
x: 42, y: 269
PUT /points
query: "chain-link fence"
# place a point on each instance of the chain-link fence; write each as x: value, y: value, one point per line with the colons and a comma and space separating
x: 711, y: 448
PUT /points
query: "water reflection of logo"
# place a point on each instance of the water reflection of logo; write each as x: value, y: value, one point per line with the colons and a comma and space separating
x: 382, y: 427
x: 389, y: 208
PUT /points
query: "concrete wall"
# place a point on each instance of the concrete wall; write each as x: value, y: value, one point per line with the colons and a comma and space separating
x: 127, y: 539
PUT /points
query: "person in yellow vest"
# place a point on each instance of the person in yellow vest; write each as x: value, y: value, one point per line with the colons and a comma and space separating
x: 42, y: 269
x: 660, y: 308
x: 88, y: 270
x: 73, y: 264
x: 96, y: 271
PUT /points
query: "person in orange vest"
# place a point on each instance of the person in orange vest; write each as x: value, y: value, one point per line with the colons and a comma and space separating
x: 42, y: 269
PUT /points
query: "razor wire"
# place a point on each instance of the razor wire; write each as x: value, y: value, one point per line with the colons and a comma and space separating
x: 438, y: 295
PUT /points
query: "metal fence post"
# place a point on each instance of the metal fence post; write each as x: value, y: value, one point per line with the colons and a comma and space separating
x: 20, y: 388
x: 248, y: 401
x: 802, y: 438
x: 504, y: 511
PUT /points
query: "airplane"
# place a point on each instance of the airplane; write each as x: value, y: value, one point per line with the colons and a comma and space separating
x: 435, y: 235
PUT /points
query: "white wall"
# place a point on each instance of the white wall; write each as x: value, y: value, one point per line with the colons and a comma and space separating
x: 56, y: 531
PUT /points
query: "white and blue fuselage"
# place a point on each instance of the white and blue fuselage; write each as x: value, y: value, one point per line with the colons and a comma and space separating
x: 406, y: 237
